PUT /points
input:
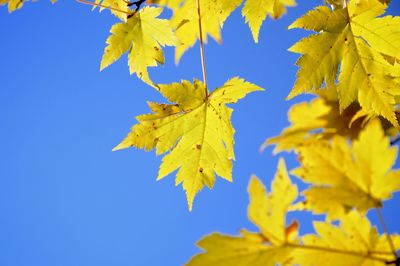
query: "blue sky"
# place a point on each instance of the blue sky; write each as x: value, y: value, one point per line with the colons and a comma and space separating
x: 65, y: 198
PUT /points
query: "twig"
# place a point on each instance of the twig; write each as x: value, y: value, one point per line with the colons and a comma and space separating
x: 393, y: 142
x: 382, y: 221
x: 395, y: 262
x: 138, y: 4
x: 203, y: 63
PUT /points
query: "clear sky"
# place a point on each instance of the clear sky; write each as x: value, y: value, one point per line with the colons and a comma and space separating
x: 65, y: 198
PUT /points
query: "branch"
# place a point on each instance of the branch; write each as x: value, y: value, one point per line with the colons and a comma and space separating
x: 393, y: 142
x: 138, y: 4
x: 395, y: 262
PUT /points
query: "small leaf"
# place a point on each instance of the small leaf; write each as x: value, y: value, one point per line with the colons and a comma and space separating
x: 321, y: 118
x: 268, y: 212
x: 142, y: 35
x: 256, y: 11
x: 186, y: 21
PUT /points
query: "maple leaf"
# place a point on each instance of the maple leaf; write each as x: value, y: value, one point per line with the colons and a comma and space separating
x: 115, y: 6
x: 16, y: 4
x: 213, y: 16
x: 354, y: 242
x: 268, y: 212
x: 318, y: 119
x: 196, y: 130
x: 186, y: 21
x: 344, y: 177
x: 360, y: 42
x: 256, y: 11
x: 322, y: 119
x: 142, y: 37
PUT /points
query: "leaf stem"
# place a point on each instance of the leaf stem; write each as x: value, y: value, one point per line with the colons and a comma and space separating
x: 203, y: 63
x: 332, y: 250
x: 393, y: 142
x: 385, y: 228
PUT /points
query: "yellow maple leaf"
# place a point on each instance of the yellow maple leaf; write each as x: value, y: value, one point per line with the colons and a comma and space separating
x: 247, y: 249
x: 255, y: 12
x: 16, y: 4
x: 268, y: 212
x: 196, y: 130
x: 318, y: 119
x: 213, y: 16
x: 322, y: 119
x: 358, y: 41
x: 344, y: 177
x: 354, y: 242
x: 142, y: 37
x: 119, y: 8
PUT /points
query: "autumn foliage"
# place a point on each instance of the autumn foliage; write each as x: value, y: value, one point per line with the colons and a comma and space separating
x: 344, y: 137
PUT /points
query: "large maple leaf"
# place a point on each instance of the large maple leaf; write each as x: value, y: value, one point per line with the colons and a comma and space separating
x: 196, y: 130
x: 361, y: 43
x: 142, y: 37
x: 344, y: 177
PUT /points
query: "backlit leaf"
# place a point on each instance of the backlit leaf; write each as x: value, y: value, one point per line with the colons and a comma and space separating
x: 256, y: 11
x: 355, y: 39
x: 213, y: 16
x: 353, y: 242
x: 142, y: 36
x: 268, y: 212
x: 196, y: 130
x: 343, y: 177
x: 318, y: 119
